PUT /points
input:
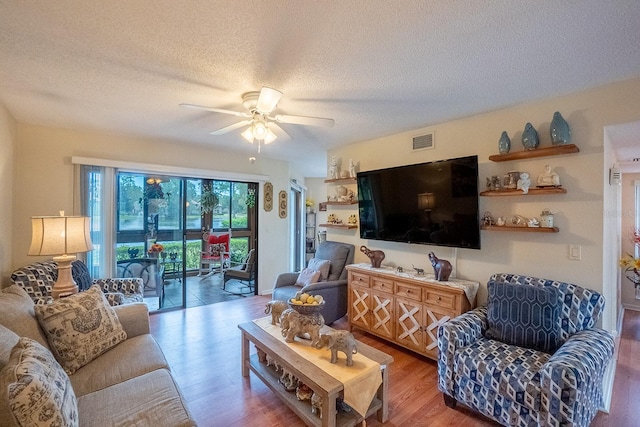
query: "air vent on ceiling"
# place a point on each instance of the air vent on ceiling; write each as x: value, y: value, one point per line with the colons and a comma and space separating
x: 423, y: 142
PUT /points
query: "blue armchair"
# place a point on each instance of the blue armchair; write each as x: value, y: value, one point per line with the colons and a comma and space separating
x: 518, y: 385
x: 333, y: 290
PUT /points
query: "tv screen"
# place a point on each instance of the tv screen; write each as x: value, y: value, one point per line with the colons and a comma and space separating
x: 433, y: 203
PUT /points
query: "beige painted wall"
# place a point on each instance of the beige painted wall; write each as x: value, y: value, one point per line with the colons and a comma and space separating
x: 7, y: 147
x: 628, y: 225
x: 44, y: 181
x: 579, y: 214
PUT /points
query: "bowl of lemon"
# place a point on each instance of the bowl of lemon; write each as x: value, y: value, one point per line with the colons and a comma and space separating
x: 305, y: 303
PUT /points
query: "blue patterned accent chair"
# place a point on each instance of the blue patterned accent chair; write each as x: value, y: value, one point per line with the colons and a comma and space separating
x: 38, y: 278
x: 545, y: 363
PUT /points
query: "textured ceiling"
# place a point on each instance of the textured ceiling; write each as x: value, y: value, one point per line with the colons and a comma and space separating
x: 377, y: 67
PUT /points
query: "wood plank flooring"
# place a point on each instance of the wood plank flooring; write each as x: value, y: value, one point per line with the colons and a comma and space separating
x: 202, y: 345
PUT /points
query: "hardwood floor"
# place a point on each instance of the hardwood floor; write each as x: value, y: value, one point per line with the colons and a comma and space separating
x: 202, y: 345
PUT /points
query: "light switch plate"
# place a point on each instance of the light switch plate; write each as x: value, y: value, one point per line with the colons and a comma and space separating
x: 575, y: 252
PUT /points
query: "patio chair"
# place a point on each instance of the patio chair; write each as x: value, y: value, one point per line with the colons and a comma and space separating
x: 215, y: 256
x: 147, y: 269
x: 244, y: 272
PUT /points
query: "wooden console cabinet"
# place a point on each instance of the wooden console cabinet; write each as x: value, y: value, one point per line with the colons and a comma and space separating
x: 403, y: 309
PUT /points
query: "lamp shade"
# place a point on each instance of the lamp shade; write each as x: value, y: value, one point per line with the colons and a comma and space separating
x: 426, y: 201
x: 60, y: 235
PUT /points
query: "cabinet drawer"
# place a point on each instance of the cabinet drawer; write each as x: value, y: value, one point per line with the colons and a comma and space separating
x: 439, y: 299
x: 359, y: 279
x: 408, y: 291
x: 380, y: 284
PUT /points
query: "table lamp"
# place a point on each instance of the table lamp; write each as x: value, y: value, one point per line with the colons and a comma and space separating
x: 426, y: 202
x: 62, y: 236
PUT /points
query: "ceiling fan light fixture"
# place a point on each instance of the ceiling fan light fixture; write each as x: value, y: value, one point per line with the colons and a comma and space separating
x: 259, y: 129
x: 270, y: 136
x: 248, y: 134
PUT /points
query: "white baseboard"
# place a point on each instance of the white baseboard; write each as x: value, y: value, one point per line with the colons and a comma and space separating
x: 610, y: 373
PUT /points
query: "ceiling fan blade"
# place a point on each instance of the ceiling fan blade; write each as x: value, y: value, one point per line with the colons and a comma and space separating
x: 231, y: 127
x: 216, y: 110
x: 304, y: 120
x: 279, y: 131
x: 268, y: 100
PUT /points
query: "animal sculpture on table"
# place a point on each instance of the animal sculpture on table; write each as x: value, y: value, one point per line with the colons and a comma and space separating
x: 316, y: 404
x: 375, y: 256
x: 303, y: 391
x: 295, y: 324
x: 343, y: 341
x: 419, y: 271
x: 441, y: 267
x: 288, y: 380
x: 276, y: 308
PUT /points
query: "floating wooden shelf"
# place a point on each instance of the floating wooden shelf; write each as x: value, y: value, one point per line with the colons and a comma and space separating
x: 532, y: 192
x: 345, y: 226
x: 555, y: 150
x: 338, y: 180
x: 523, y: 229
x: 351, y: 202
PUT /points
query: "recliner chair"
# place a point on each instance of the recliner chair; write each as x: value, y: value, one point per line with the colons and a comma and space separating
x: 334, y: 290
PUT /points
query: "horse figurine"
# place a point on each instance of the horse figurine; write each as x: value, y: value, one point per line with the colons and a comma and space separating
x: 441, y: 267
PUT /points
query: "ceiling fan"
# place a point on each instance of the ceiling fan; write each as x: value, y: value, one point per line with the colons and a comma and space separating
x: 259, y: 118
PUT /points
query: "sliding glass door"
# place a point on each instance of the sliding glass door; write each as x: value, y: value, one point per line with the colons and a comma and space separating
x: 152, y: 226
x: 150, y: 241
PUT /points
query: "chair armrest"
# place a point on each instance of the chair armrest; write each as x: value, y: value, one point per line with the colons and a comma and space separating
x: 285, y: 279
x: 134, y: 318
x: 318, y: 286
x: 114, y: 298
x: 571, y: 380
x: 453, y: 335
x: 127, y: 285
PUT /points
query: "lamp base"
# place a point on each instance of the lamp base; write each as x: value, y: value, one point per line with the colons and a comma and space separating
x: 65, y: 285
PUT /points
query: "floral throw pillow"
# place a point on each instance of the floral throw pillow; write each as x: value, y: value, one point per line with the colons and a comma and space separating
x: 80, y: 328
x: 38, y: 391
x: 216, y: 249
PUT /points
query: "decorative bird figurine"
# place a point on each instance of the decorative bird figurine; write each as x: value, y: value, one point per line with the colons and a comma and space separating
x: 530, y: 138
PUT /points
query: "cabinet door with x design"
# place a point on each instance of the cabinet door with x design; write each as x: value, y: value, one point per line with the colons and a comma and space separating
x: 405, y: 310
x: 371, y: 307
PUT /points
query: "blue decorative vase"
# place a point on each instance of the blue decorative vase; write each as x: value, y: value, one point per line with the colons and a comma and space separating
x: 504, y: 143
x: 559, y: 130
x: 530, y: 138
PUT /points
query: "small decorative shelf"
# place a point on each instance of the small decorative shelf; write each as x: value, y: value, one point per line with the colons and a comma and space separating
x: 532, y: 192
x: 523, y: 229
x: 340, y: 180
x: 555, y: 150
x: 350, y: 202
x: 345, y: 226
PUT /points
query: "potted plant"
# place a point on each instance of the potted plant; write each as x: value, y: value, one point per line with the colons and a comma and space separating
x: 631, y: 265
x: 208, y: 199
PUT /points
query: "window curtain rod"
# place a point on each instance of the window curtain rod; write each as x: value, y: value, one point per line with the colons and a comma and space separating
x: 168, y: 170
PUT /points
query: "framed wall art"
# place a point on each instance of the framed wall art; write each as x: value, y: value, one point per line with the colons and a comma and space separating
x: 282, y: 204
x: 268, y: 196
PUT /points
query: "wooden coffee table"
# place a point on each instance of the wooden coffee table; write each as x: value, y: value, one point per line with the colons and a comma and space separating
x: 321, y: 383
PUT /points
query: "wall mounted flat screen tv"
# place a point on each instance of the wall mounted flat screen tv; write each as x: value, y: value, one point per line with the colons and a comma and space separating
x: 433, y: 203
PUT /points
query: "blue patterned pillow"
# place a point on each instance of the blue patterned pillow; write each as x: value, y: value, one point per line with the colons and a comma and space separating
x: 80, y: 274
x: 524, y: 315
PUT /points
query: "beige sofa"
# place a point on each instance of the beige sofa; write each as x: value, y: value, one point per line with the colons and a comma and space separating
x: 130, y: 384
